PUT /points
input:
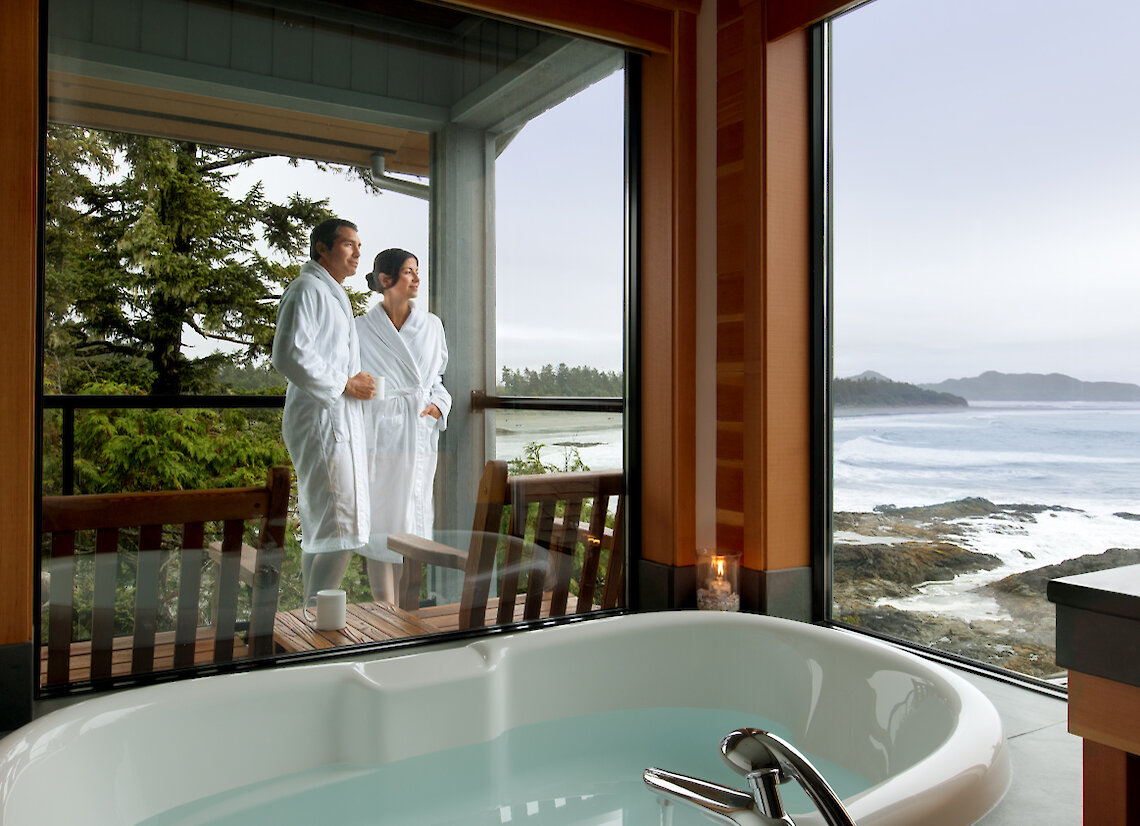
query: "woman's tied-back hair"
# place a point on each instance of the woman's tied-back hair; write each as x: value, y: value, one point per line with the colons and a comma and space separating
x: 325, y: 233
x: 387, y: 263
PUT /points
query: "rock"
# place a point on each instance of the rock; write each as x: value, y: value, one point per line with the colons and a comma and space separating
x: 921, y: 544
x: 1033, y: 583
x: 1134, y: 517
x: 909, y: 563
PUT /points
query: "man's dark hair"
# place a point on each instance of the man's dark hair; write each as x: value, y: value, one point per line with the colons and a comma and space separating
x: 325, y: 233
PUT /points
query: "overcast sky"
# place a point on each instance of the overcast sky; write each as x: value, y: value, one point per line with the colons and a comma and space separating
x: 985, y: 179
x: 559, y: 199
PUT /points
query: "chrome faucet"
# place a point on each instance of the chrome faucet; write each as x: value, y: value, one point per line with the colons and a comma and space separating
x: 766, y: 761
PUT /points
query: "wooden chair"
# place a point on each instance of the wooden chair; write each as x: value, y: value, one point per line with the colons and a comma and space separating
x: 189, y: 643
x: 543, y: 541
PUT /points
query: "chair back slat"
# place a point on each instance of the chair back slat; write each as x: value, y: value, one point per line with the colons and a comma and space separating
x: 545, y: 543
x: 613, y: 595
x: 189, y: 582
x: 152, y: 514
x: 61, y: 590
x: 269, y: 560
x: 563, y: 551
x: 592, y: 553
x: 540, y: 550
x: 146, y: 598
x: 229, y: 572
x: 103, y: 601
x: 489, y: 503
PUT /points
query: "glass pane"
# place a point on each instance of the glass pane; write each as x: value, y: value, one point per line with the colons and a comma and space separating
x: 191, y: 150
x: 987, y: 406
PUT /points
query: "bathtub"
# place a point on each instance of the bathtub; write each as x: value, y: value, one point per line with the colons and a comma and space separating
x: 502, y: 729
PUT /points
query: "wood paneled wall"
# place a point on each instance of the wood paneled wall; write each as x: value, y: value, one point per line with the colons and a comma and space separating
x: 764, y: 317
x: 19, y: 227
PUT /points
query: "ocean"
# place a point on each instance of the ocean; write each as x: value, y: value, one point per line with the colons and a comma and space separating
x: 596, y: 436
x: 1084, y: 456
x: 1077, y: 455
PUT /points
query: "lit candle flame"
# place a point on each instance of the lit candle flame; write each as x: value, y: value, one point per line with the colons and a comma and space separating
x: 720, y: 568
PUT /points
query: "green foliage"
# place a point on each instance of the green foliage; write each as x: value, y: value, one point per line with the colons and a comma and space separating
x: 181, y: 449
x: 531, y: 461
x: 142, y: 240
x: 878, y: 393
x: 563, y: 381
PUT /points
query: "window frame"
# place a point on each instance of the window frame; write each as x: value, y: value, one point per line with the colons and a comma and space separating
x: 629, y: 405
x: 822, y: 346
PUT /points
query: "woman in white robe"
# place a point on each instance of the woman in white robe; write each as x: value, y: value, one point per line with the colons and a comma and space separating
x: 403, y: 346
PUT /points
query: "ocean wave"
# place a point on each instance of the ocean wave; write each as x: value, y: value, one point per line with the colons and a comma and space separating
x: 875, y: 450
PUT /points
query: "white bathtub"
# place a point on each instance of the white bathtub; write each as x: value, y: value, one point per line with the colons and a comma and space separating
x: 929, y: 742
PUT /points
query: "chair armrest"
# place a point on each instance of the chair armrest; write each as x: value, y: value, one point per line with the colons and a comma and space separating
x: 426, y: 551
x: 248, y: 566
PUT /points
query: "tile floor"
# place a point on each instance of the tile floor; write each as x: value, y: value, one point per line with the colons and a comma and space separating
x: 1046, y: 786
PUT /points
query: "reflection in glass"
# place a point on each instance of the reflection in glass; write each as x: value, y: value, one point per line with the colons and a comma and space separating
x: 190, y: 149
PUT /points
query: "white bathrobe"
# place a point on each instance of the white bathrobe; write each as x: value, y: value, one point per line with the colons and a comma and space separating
x: 316, y: 348
x: 402, y: 444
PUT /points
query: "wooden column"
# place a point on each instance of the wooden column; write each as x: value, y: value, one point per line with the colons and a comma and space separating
x: 19, y: 227
x: 764, y: 316
x: 669, y: 283
x: 1106, y: 713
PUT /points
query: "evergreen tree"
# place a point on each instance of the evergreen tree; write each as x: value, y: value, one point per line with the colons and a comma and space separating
x: 143, y: 240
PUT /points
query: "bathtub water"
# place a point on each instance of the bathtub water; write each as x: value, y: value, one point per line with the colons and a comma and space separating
x: 575, y: 770
x: 550, y: 726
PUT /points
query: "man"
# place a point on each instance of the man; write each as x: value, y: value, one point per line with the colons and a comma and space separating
x: 316, y: 348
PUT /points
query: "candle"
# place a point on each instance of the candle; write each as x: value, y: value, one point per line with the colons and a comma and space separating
x: 717, y: 593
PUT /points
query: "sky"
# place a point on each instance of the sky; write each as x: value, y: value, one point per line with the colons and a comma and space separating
x: 559, y: 230
x: 984, y: 181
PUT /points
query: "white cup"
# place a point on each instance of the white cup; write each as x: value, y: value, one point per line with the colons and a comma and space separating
x: 332, y: 610
x: 381, y: 388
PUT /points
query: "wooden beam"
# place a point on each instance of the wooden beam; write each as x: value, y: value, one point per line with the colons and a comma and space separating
x: 19, y: 226
x: 633, y: 25
x: 125, y: 107
x: 787, y: 16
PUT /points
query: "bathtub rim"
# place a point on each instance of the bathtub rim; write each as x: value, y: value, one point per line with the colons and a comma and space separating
x: 864, y: 804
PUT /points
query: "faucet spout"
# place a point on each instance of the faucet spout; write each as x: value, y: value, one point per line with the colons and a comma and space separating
x: 766, y: 761
x: 755, y: 753
x: 723, y: 803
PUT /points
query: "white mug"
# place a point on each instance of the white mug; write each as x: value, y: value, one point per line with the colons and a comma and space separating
x: 381, y: 388
x: 331, y: 612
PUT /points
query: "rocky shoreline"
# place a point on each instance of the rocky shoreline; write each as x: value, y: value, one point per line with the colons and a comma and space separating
x: 890, y: 552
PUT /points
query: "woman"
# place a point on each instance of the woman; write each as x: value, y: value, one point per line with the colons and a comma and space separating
x: 404, y: 348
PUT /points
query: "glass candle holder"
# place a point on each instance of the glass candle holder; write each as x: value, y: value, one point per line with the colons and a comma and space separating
x: 718, y: 580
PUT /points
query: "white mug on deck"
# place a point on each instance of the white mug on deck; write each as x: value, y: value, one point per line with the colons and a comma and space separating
x: 331, y: 610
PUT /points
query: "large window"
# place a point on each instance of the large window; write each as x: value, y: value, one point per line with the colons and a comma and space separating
x: 191, y: 148
x: 985, y: 395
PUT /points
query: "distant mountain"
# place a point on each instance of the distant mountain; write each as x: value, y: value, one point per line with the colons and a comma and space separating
x: 868, y: 375
x: 1036, y: 387
x: 871, y: 389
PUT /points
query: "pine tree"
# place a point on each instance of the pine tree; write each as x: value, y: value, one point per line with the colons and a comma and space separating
x: 143, y: 241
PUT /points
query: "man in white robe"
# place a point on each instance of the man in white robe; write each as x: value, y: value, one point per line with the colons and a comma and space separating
x: 316, y: 348
x: 405, y: 346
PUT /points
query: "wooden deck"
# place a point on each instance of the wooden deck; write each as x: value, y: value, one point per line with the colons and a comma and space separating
x: 376, y: 622
x: 122, y: 652
x: 367, y: 622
